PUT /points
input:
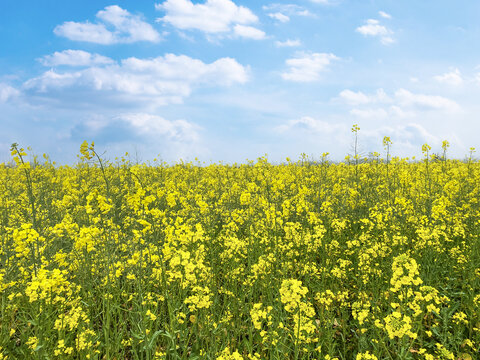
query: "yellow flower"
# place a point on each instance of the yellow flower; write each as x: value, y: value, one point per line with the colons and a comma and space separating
x: 227, y: 355
x: 366, y: 356
x: 151, y: 315
x: 32, y: 342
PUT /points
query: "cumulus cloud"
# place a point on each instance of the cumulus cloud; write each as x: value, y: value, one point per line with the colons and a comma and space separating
x: 373, y: 28
x: 143, y: 132
x: 162, y: 80
x: 211, y: 17
x: 115, y: 25
x: 308, y: 67
x: 279, y: 16
x: 288, y: 43
x: 249, y: 32
x: 452, y: 78
x: 7, y: 92
x: 74, y: 58
x: 408, y: 133
x: 407, y: 138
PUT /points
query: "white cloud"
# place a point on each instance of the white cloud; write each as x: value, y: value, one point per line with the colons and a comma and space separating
x: 249, y: 32
x: 279, y: 16
x: 414, y: 134
x: 375, y: 29
x: 96, y: 33
x: 7, y: 92
x: 359, y: 98
x: 126, y: 28
x: 308, y: 67
x: 152, y: 125
x: 141, y: 133
x: 370, y: 113
x: 401, y: 112
x: 354, y: 98
x: 310, y: 124
x: 387, y: 40
x: 403, y: 104
x: 384, y: 15
x: 325, y: 2
x: 74, y: 58
x: 157, y: 81
x: 453, y: 78
x: 406, y: 138
x: 425, y: 102
x: 288, y: 9
x: 288, y: 43
x: 212, y: 17
x: 372, y: 28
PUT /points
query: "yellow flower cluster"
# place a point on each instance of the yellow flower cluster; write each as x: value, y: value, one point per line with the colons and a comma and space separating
x: 405, y: 273
x: 398, y: 325
x: 260, y: 314
x: 292, y: 295
x: 49, y: 285
x: 365, y: 356
x: 228, y: 355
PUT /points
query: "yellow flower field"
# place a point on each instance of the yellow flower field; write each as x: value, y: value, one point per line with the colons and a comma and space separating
x: 364, y: 259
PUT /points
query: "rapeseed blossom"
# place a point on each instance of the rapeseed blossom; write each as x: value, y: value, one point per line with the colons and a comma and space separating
x: 365, y: 259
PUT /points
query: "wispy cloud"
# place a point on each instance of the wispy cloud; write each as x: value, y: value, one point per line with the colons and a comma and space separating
x: 425, y: 102
x: 279, y: 16
x: 288, y: 9
x: 7, y: 92
x: 288, y: 43
x: 308, y: 67
x: 384, y: 15
x: 359, y: 98
x: 370, y: 113
x: 127, y: 28
x: 310, y: 124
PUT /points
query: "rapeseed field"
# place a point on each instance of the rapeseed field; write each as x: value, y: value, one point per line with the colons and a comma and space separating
x: 364, y: 259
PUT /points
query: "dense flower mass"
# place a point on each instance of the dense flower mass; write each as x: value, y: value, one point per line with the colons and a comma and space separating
x: 365, y: 259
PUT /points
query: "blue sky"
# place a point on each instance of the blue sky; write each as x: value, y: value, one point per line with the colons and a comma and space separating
x: 226, y: 80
